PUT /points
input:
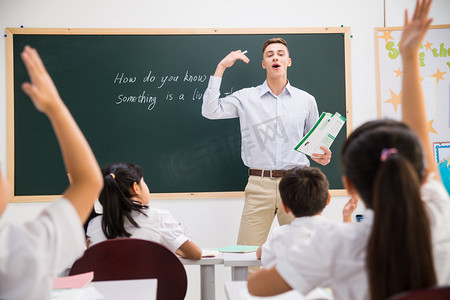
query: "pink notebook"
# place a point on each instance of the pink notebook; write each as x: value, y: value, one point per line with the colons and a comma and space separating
x: 74, y: 281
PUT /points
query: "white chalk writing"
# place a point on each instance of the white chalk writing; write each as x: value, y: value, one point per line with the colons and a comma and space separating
x: 142, y: 99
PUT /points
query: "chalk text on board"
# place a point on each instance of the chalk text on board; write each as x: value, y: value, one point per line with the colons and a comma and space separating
x: 142, y: 98
x: 194, y: 78
x: 167, y: 78
x: 149, y: 77
x: 120, y: 78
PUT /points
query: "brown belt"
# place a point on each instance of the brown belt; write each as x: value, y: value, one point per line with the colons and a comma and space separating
x: 266, y: 173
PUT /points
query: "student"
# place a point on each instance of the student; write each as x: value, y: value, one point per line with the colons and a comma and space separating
x: 125, y: 199
x: 404, y: 242
x: 304, y: 193
x: 274, y: 117
x: 33, y: 253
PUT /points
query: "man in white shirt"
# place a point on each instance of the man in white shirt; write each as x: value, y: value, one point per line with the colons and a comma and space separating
x: 273, y: 117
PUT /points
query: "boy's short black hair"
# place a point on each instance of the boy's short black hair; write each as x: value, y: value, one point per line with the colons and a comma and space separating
x: 304, y: 190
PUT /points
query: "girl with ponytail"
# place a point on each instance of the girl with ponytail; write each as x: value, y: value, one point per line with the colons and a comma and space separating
x: 125, y: 198
x: 404, y: 242
x: 383, y: 163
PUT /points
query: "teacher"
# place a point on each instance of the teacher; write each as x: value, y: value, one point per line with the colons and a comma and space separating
x: 274, y: 117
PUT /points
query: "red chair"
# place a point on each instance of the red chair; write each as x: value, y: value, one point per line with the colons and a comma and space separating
x: 127, y: 258
x: 434, y: 293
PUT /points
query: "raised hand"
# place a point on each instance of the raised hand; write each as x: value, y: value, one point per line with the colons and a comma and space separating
x: 41, y: 90
x: 349, y: 208
x: 229, y: 61
x: 86, y: 178
x: 415, y: 29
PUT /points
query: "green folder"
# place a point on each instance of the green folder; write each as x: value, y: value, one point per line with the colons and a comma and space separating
x: 238, y: 249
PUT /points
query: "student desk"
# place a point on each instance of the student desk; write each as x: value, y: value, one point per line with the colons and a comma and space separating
x: 207, y: 274
x: 237, y: 290
x: 125, y: 289
x: 239, y: 263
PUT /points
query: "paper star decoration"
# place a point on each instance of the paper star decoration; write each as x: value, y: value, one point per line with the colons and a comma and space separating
x: 438, y: 75
x: 396, y: 100
x: 428, y: 45
x: 430, y: 127
x: 398, y: 72
x: 386, y: 35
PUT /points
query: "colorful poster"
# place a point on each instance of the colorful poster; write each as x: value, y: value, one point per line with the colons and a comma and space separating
x: 434, y: 61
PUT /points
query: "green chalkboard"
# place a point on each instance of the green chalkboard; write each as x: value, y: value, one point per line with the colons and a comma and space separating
x: 137, y: 98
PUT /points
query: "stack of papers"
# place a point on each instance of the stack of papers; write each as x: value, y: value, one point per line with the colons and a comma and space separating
x: 323, y: 133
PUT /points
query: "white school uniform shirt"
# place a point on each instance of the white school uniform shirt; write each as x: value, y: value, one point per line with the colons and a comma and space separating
x: 335, y: 256
x: 33, y: 253
x: 283, y: 237
x: 158, y: 226
x: 271, y: 126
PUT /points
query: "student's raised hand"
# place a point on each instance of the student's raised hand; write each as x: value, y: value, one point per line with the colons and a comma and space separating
x: 322, y: 159
x: 229, y: 61
x: 41, y: 90
x: 415, y: 29
x: 349, y: 208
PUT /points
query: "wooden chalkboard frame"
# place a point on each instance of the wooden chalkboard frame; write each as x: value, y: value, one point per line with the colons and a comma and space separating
x: 10, y: 32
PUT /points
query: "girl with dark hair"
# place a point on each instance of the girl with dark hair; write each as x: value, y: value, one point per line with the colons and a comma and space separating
x: 124, y: 198
x: 404, y: 242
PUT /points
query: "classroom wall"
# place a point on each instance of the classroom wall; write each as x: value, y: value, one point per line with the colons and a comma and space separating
x: 221, y: 215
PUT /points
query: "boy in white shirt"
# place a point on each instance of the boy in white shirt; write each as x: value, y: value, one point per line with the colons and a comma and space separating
x: 304, y: 193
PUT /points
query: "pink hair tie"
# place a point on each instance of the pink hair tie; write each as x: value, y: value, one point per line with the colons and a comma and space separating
x: 113, y: 175
x: 385, y: 153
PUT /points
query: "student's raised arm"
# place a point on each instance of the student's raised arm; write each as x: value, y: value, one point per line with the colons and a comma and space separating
x: 229, y: 61
x: 77, y: 155
x: 413, y: 104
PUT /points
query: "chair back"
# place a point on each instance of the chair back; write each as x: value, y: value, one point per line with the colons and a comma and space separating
x: 434, y: 293
x: 128, y: 258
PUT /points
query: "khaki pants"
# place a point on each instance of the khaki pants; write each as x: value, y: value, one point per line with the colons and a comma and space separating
x: 262, y: 203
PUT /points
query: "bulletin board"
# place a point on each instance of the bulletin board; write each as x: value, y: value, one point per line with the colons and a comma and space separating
x: 434, y: 62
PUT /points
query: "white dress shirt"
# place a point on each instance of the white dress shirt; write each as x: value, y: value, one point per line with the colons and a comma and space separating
x: 158, y: 226
x: 336, y: 254
x: 271, y: 126
x: 283, y: 237
x: 33, y: 253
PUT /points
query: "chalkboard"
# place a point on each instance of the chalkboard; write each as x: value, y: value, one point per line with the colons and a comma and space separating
x: 137, y: 97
